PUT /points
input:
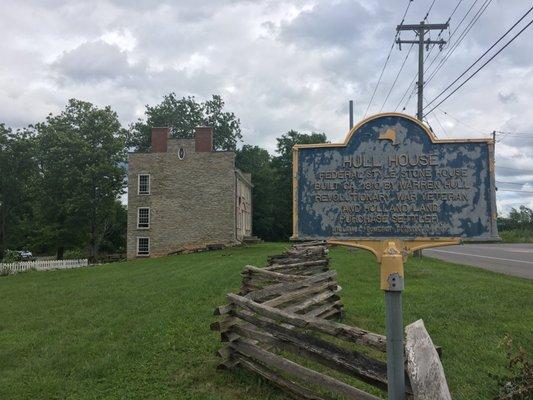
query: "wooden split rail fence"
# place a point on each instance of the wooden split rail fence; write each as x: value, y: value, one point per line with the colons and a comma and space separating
x: 284, y: 314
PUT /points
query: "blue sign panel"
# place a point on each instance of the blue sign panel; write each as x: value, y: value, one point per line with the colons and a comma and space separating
x: 393, y: 178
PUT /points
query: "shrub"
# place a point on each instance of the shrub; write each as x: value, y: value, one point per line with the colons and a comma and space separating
x: 517, y: 384
x: 74, y: 254
x: 11, y: 256
x: 5, y: 270
x: 518, y: 235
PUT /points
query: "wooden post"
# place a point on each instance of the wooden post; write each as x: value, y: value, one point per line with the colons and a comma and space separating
x: 423, y: 365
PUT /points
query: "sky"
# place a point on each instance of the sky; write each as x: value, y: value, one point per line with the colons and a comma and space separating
x: 279, y: 65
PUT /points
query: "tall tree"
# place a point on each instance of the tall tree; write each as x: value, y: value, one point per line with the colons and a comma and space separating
x: 81, y: 157
x: 17, y: 174
x: 257, y: 161
x: 282, y: 164
x: 182, y: 116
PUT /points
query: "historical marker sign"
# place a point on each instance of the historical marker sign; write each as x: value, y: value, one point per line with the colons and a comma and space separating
x: 393, y: 178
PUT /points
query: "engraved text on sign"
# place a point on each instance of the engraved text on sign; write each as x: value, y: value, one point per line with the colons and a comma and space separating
x: 393, y: 179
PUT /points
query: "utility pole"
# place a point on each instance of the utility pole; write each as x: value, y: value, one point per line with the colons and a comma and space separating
x: 350, y: 110
x: 421, y: 30
x: 393, y: 294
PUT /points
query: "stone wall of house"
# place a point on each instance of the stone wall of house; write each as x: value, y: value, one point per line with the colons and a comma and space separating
x: 192, y: 201
x: 186, y: 144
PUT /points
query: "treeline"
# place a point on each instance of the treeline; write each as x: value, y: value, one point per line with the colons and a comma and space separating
x: 61, y: 179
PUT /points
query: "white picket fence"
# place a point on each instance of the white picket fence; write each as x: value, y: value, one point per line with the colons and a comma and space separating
x: 41, y: 265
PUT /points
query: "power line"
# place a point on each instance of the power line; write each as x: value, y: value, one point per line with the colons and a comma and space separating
x: 500, y: 138
x: 521, y: 135
x: 479, y: 69
x: 386, y: 60
x: 481, y: 56
x: 514, y: 169
x: 515, y: 190
x: 430, y: 127
x: 514, y: 133
x: 429, y: 10
x: 454, y: 10
x: 442, y: 30
x: 462, y: 36
x: 453, y: 33
x: 470, y: 25
x: 513, y: 183
x: 522, y: 139
x: 420, y: 31
x: 504, y: 133
x: 379, y: 81
x: 407, y: 56
x: 530, y: 136
x: 442, y: 127
x: 438, y: 121
x: 410, y: 86
x: 507, y: 203
x: 461, y: 122
x: 396, y: 78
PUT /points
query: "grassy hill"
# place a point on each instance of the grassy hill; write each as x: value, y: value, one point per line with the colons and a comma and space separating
x: 140, y: 329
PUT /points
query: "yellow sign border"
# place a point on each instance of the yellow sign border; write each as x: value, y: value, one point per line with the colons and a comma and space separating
x: 372, y: 243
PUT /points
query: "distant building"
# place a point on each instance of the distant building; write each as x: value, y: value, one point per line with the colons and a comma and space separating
x: 183, y: 195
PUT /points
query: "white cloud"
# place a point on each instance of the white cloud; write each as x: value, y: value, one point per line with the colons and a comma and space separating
x: 123, y: 39
x: 279, y: 64
x: 92, y: 62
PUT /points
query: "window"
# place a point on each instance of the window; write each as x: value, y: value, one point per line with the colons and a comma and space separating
x: 181, y: 153
x: 144, y: 184
x: 143, y: 217
x: 143, y: 246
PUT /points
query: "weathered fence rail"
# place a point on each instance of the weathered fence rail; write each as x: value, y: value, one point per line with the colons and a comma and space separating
x: 289, y: 311
x: 40, y: 265
x: 286, y: 311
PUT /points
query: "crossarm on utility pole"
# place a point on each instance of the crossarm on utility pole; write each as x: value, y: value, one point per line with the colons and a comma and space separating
x: 416, y: 27
x: 426, y: 42
x: 421, y: 29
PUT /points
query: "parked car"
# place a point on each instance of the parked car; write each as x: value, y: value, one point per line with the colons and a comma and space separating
x: 26, y: 255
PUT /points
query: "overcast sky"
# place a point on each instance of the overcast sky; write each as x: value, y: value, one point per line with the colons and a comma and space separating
x: 279, y: 65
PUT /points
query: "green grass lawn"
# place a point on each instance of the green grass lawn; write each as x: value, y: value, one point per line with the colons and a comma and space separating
x: 140, y: 329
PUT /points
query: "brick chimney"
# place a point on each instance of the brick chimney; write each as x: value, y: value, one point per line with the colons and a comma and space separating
x: 203, y: 136
x: 160, y: 139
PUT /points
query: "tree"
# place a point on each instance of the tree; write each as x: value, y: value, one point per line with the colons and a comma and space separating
x: 282, y: 165
x: 521, y: 218
x: 257, y: 161
x: 18, y: 172
x: 115, y: 239
x: 182, y: 116
x: 81, y: 157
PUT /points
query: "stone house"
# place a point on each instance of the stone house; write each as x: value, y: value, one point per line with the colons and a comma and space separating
x: 184, y: 195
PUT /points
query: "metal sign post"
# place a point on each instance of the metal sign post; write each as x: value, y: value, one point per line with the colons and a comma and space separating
x: 391, y: 255
x: 392, y: 284
x: 393, y: 188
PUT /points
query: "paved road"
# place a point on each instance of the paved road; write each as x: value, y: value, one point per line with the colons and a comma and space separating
x: 511, y: 259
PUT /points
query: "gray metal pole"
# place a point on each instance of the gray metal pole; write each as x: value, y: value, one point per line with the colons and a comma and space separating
x: 395, y: 352
x: 421, y: 32
x: 351, y: 114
